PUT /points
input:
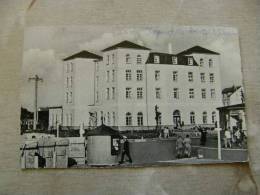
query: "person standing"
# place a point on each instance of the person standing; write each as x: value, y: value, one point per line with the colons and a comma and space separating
x: 179, y: 147
x: 125, y: 151
x: 227, y: 139
x: 187, y: 146
x: 166, y: 132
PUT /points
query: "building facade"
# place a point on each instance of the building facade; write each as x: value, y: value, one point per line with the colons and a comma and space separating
x: 128, y: 81
x: 232, y: 114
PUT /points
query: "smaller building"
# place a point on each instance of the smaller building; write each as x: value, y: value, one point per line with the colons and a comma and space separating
x: 232, y: 114
x: 55, y: 117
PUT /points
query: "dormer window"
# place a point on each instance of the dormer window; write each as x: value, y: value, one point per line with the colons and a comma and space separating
x: 174, y: 60
x: 139, y: 59
x: 201, y: 62
x: 210, y: 63
x: 190, y: 61
x: 156, y: 59
x: 107, y: 59
x: 127, y: 58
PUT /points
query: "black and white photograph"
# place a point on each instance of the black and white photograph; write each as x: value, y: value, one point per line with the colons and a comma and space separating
x: 131, y: 96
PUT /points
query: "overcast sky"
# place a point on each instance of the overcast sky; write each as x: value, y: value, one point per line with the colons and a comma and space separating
x: 45, y: 47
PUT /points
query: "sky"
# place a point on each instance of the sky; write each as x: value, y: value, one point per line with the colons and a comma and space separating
x: 46, y: 46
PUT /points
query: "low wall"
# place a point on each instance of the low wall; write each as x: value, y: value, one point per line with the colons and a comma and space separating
x: 151, y: 151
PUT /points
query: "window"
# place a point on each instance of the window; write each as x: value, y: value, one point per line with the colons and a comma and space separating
x: 192, y: 117
x: 202, y: 77
x: 190, y: 76
x: 114, y: 118
x: 139, y: 75
x: 113, y: 75
x: 67, y: 83
x: 108, y: 118
x: 67, y: 67
x: 157, y: 75
x: 113, y: 58
x: 140, y: 119
x: 67, y: 97
x: 97, y: 97
x: 70, y: 97
x: 174, y: 60
x: 203, y: 93
x: 113, y: 93
x: 70, y: 119
x: 71, y: 67
x: 139, y: 59
x: 210, y: 63
x: 128, y: 75
x: 191, y: 93
x: 175, y: 93
x: 158, y: 93
x: 127, y: 58
x: 107, y: 76
x: 107, y: 59
x: 156, y: 59
x: 213, y: 117
x: 107, y: 93
x: 128, y: 93
x: 204, y: 117
x: 175, y: 76
x: 211, y: 77
x: 139, y: 93
x: 128, y: 119
x: 190, y: 61
x: 71, y: 81
x: 212, y: 93
x: 201, y: 62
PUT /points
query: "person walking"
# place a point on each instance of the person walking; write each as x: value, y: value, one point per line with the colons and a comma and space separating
x: 125, y: 151
x: 187, y: 146
x: 179, y: 147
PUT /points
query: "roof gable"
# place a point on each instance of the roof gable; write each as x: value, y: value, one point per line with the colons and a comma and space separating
x: 83, y: 54
x: 197, y: 49
x: 126, y: 44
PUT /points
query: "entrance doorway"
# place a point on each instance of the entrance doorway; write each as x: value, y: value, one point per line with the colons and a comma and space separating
x: 176, y: 119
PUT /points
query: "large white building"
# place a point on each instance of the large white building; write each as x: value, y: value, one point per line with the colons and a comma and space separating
x: 122, y: 87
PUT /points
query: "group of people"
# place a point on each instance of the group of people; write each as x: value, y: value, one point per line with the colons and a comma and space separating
x: 183, y: 147
x: 234, y: 137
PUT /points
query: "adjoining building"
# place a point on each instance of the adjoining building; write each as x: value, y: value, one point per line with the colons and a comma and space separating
x: 122, y: 87
x: 232, y: 114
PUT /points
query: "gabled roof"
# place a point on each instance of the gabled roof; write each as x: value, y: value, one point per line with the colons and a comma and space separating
x: 126, y: 44
x: 197, y: 49
x: 166, y: 58
x: 83, y: 54
x: 230, y: 89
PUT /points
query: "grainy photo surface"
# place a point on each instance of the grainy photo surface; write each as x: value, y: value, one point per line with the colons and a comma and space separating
x: 103, y: 96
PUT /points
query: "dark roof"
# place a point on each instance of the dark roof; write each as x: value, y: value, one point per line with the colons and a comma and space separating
x: 166, y: 58
x: 83, y: 54
x: 197, y: 49
x: 232, y: 107
x: 103, y: 130
x: 126, y: 44
x: 49, y: 107
x: 230, y: 89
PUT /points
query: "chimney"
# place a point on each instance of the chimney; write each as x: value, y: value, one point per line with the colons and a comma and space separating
x: 170, y: 48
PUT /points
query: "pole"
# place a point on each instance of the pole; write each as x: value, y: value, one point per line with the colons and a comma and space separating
x: 219, y: 144
x: 36, y: 79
